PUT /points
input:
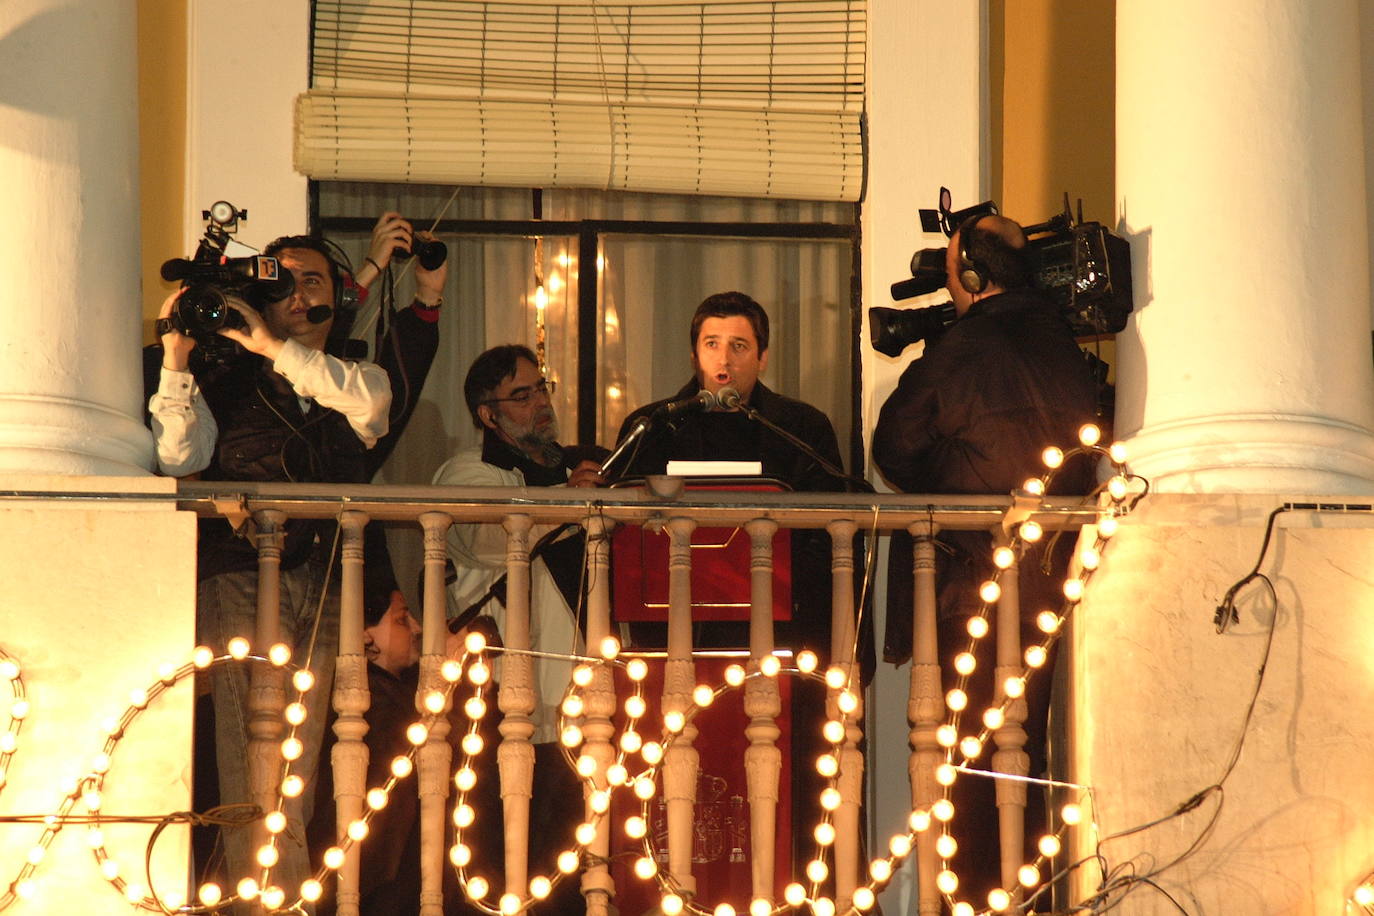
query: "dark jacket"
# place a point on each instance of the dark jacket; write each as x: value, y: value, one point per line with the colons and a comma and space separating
x: 730, y: 436
x: 973, y: 415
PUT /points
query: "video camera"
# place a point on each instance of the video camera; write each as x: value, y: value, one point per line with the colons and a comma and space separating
x: 1084, y: 269
x: 210, y: 276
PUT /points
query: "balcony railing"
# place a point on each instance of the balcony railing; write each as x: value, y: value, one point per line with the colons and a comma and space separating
x: 845, y: 881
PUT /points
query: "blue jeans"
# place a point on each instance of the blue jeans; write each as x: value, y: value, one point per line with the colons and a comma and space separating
x: 226, y: 606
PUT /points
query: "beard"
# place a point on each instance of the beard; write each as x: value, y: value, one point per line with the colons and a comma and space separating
x: 539, y: 442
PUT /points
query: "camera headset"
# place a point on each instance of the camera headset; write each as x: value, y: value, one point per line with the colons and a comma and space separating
x: 346, y: 297
x: 973, y: 275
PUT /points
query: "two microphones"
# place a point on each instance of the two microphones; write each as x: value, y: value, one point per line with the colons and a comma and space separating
x: 704, y: 400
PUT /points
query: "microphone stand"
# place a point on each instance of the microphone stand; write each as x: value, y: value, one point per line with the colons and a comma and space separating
x: 838, y: 473
x: 634, y: 435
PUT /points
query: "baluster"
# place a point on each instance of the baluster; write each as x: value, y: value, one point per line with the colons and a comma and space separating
x: 436, y: 756
x: 351, y: 700
x: 517, y: 701
x: 599, y: 705
x: 267, y: 690
x: 925, y: 708
x: 762, y: 706
x: 681, y: 762
x: 850, y: 783
x: 1010, y: 756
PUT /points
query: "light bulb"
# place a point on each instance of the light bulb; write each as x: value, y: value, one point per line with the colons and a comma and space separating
x: 303, y: 680
x: 1089, y: 434
x: 942, y: 810
x: 1116, y: 488
x: 823, y: 906
x: 568, y: 862
x: 947, y: 735
x: 956, y: 700
x: 989, y: 592
x: 637, y: 669
x: 1053, y: 457
x: 465, y: 779
x: 1107, y: 526
x: 977, y: 627
x: 472, y: 744
x: 401, y: 767
x: 919, y: 820
x: 674, y: 721
x: 1035, y: 656
x: 1118, y: 452
x: 617, y: 775
x: 248, y: 889
x: 267, y: 856
x: 864, y: 899
x: 1034, y: 486
x: 1031, y: 531
x: 478, y: 674
x: 476, y: 887
x: 671, y: 905
x: 540, y: 887
x: 945, y: 774
x: 377, y: 798
x: 635, y: 706
x: 760, y: 906
x: 435, y: 702
x: 357, y: 830
x: 334, y: 858
x: 582, y: 676
x: 1047, y: 621
x: 833, y: 731
x: 279, y: 654
x: 451, y: 671
x: 460, y: 854
x: 703, y: 696
x: 994, y: 718
x: 806, y: 663
x: 464, y: 815
x: 770, y: 665
x: 610, y: 648
x: 1028, y: 875
x: 475, y: 708
x: 311, y: 890
x: 1072, y: 814
x: 827, y: 765
x: 599, y: 801
x: 946, y: 846
x: 1049, y: 846
x: 723, y: 909
x: 644, y: 788
x: 830, y: 798
x: 652, y: 752
x: 794, y: 894
x: 1003, y: 557
x: 296, y: 713
x: 998, y: 900
x: 275, y: 821
x: 965, y: 663
x: 1073, y: 589
x: 210, y: 894
x: 1089, y: 558
x: 201, y: 657
x: 292, y: 786
x: 510, y: 904
x: 734, y: 675
x: 645, y: 868
x: 292, y: 748
x: 238, y: 649
x: 824, y: 833
x: 636, y: 827
x: 947, y: 881
x: 880, y: 870
x: 817, y: 871
x: 848, y: 701
x: 970, y: 746
x: 962, y: 909
x: 899, y: 845
x: 475, y: 642
x: 631, y: 742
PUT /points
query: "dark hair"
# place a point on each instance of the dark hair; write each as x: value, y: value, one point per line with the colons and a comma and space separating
x: 727, y: 305
x: 1002, y: 264
x: 379, y: 577
x: 312, y: 243
x: 489, y: 370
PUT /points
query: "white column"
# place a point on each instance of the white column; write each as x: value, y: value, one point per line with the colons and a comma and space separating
x: 70, y: 382
x: 1240, y: 182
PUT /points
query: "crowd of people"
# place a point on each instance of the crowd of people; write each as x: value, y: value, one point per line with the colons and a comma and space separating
x: 291, y: 405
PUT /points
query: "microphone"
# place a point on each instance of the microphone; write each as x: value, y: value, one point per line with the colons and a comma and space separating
x: 728, y: 398
x: 702, y: 400
x: 319, y: 314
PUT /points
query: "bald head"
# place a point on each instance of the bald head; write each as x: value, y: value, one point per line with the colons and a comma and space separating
x: 984, y: 259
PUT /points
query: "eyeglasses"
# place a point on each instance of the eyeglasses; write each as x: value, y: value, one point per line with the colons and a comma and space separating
x: 545, y: 386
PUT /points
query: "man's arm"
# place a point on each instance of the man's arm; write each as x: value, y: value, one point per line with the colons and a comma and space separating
x: 184, y: 429
x: 905, y: 427
x: 358, y: 390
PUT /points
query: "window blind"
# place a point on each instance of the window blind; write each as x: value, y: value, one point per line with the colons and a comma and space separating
x: 721, y: 97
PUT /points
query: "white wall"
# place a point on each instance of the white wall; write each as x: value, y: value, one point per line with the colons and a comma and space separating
x: 247, y: 62
x: 927, y: 127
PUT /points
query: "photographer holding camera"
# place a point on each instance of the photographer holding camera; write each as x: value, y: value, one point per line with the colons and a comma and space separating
x: 973, y: 415
x: 283, y: 408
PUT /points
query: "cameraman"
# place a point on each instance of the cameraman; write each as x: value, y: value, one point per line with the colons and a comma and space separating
x: 283, y: 409
x: 973, y: 415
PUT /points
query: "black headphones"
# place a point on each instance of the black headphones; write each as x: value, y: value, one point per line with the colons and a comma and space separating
x: 973, y: 276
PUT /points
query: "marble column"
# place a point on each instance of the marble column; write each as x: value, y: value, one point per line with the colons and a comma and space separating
x: 1240, y: 184
x: 70, y: 383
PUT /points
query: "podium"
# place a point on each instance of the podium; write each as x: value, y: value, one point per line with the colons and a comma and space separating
x: 720, y: 568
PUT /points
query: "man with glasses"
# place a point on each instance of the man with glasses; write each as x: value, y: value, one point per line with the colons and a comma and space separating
x: 509, y: 400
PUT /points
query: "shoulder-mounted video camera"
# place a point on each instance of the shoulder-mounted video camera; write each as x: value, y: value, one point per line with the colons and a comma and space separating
x: 1082, y: 268
x: 210, y: 276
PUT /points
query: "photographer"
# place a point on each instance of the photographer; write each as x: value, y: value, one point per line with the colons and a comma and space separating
x: 281, y: 409
x: 973, y: 415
